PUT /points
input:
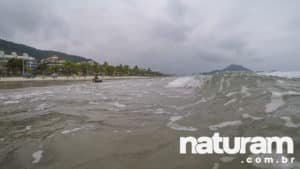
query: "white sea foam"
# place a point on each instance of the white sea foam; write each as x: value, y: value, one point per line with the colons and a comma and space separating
x: 289, y: 75
x: 245, y: 91
x: 276, y: 102
x: 228, y: 83
x: 248, y: 116
x: 28, y: 127
x: 292, y: 93
x: 221, y: 87
x: 38, y: 99
x: 175, y: 118
x: 160, y: 111
x: 93, y: 103
x: 187, y: 82
x: 42, y: 106
x: 202, y: 100
x: 231, y: 94
x: 70, y: 131
x: 226, y: 159
x: 230, y: 102
x: 280, y: 82
x: 216, y: 166
x: 225, y: 124
x: 289, y: 122
x: 37, y: 156
x: 32, y: 94
x: 11, y: 102
x: 119, y: 105
x: 173, y: 125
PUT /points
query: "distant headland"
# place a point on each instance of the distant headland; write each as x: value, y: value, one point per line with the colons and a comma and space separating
x: 230, y: 68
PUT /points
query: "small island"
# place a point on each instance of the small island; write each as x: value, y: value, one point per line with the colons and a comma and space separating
x: 230, y: 68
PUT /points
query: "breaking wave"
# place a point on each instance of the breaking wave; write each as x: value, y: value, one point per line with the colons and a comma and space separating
x: 187, y: 82
x: 289, y: 75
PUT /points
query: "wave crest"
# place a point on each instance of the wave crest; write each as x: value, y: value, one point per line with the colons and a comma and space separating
x: 187, y: 82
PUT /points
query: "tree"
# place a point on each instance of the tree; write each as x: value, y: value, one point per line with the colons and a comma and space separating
x: 15, y: 66
x: 42, y: 68
x: 136, y: 70
x: 126, y: 69
x: 85, y: 68
x: 111, y: 70
x: 105, y: 67
x: 120, y: 69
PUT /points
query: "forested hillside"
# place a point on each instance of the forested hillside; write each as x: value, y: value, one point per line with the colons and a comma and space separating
x: 9, y: 47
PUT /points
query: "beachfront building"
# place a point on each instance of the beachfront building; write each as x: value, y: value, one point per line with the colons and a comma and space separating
x: 89, y: 62
x: 53, y: 61
x: 28, y: 61
x: 3, y: 62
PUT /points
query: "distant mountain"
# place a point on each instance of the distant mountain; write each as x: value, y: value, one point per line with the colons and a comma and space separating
x: 236, y: 68
x: 230, y: 68
x: 9, y: 47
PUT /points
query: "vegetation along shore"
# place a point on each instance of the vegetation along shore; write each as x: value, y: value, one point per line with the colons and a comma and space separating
x: 21, y: 60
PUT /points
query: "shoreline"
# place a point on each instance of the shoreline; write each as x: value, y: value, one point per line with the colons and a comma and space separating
x: 21, y: 82
x: 68, y: 78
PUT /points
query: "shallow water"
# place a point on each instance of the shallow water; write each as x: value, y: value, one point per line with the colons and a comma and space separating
x: 137, y: 123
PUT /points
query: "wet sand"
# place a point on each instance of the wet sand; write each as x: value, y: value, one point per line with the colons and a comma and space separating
x: 25, y: 84
x: 13, y: 83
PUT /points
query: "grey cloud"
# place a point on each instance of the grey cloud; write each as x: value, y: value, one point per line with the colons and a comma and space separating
x: 19, y: 15
x: 171, y: 31
x: 173, y: 36
x: 176, y: 9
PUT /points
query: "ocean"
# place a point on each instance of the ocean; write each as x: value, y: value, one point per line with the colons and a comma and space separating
x: 137, y: 123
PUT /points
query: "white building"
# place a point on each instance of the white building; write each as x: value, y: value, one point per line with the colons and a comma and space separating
x: 25, y: 56
x: 29, y: 62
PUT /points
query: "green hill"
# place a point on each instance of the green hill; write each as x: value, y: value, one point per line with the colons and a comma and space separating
x: 9, y: 47
x: 230, y: 68
x: 236, y: 68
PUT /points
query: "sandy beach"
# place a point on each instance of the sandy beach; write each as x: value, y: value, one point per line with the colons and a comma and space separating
x: 21, y: 82
x: 66, y: 78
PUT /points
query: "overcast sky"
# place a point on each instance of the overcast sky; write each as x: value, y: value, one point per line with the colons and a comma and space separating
x: 173, y: 36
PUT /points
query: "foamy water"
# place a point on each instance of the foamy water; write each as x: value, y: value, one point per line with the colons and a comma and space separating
x: 230, y: 102
x: 37, y: 156
x: 188, y: 82
x: 11, y: 102
x: 71, y: 131
x: 143, y: 118
x: 173, y: 125
x: 227, y: 159
x: 248, y: 116
x: 231, y: 94
x: 289, y: 122
x: 216, y: 166
x: 245, y: 91
x: 225, y: 124
x: 119, y: 105
x: 282, y: 74
x: 276, y: 102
